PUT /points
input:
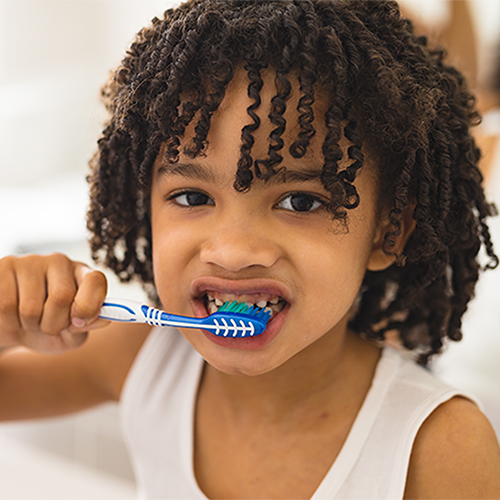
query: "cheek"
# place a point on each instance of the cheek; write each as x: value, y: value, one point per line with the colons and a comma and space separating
x: 172, y: 249
x: 332, y: 274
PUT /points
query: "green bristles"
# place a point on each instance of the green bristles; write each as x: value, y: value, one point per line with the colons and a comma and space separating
x: 234, y: 306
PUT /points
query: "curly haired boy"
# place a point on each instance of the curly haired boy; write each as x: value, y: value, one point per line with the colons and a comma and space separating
x: 312, y: 155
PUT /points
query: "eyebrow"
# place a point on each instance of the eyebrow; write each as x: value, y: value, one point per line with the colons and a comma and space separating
x: 208, y: 173
x: 189, y: 171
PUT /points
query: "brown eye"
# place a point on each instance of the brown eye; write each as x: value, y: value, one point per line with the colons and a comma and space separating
x: 192, y: 199
x: 301, y: 202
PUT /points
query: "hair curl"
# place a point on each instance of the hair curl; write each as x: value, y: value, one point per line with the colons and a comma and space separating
x: 390, y: 94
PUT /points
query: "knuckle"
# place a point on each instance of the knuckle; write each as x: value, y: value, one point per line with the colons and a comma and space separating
x: 29, y: 260
x: 51, y: 330
x: 62, y: 295
x: 99, y: 277
x: 7, y: 262
x: 58, y: 257
x: 54, y: 326
x: 85, y: 310
x: 98, y: 281
x: 30, y: 309
x: 8, y: 306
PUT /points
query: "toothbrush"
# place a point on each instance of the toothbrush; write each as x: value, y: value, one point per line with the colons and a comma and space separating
x: 233, y: 319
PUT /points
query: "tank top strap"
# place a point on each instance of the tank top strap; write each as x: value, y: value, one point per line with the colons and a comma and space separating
x: 373, y: 463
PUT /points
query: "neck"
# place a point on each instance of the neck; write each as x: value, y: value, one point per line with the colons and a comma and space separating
x: 330, y: 375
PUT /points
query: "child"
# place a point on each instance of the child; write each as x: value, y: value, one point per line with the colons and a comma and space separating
x: 314, y: 156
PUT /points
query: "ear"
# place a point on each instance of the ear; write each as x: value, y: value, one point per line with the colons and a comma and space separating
x: 379, y: 260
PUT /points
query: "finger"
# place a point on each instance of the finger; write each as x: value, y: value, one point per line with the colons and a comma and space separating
x: 74, y: 336
x: 10, y: 324
x: 92, y: 290
x: 95, y: 324
x: 71, y: 340
x: 32, y: 292
x: 61, y: 291
x: 53, y: 344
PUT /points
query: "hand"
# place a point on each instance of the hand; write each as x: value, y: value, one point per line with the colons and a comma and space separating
x: 48, y: 303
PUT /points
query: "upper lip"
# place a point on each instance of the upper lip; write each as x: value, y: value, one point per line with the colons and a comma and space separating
x: 256, y: 286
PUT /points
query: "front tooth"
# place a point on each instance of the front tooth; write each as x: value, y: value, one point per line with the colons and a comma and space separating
x: 262, y: 303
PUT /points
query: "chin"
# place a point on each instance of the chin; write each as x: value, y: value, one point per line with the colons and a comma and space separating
x: 243, y: 369
x: 237, y: 362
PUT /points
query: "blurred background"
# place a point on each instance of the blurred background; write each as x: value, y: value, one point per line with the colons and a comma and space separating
x: 54, y: 57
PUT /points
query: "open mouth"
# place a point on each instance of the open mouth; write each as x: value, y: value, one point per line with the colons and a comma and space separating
x: 272, y: 303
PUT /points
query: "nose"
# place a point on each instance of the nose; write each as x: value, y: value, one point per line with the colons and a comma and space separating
x: 238, y: 243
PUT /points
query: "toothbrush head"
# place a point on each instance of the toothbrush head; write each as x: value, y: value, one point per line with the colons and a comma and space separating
x: 235, y: 319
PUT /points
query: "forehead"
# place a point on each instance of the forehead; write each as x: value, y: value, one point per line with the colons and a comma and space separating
x: 278, y: 117
x: 232, y: 128
x: 279, y: 101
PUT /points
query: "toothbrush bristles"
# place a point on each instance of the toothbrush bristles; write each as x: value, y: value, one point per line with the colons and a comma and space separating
x: 241, y: 307
x: 234, y: 307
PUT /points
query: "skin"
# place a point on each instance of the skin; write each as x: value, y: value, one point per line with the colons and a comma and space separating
x: 296, y: 393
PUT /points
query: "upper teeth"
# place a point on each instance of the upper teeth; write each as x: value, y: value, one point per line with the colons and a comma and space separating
x: 229, y: 298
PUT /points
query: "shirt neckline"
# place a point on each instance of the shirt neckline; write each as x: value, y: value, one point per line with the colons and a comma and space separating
x: 339, y: 471
x: 350, y: 451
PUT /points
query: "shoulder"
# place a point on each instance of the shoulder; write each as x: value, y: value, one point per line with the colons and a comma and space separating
x: 455, y: 455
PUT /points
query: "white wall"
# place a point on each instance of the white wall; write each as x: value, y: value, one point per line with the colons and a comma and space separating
x: 56, y: 54
x: 54, y: 57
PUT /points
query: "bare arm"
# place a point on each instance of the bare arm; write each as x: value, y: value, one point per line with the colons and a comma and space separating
x: 36, y: 385
x: 455, y: 455
x: 56, y: 357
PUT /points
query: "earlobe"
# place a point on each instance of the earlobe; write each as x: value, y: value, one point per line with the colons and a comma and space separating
x: 379, y: 259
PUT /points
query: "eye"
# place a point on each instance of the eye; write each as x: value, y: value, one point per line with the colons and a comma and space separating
x: 301, y: 202
x: 191, y: 199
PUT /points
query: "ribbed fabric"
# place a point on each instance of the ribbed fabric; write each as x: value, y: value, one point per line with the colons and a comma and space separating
x: 158, y: 402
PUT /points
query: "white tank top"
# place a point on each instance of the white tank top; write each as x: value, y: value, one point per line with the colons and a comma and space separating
x: 158, y: 403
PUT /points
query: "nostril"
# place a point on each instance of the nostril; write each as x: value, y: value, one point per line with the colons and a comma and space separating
x: 234, y: 252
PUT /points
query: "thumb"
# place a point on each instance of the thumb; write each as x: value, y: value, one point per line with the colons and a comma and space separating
x: 92, y: 287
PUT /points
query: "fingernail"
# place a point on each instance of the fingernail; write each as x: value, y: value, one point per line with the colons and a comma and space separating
x: 78, y: 322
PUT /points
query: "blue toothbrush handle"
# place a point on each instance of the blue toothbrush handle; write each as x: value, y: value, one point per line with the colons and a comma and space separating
x: 223, y: 324
x: 130, y: 311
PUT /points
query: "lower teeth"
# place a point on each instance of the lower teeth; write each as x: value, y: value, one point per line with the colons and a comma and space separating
x: 212, y: 308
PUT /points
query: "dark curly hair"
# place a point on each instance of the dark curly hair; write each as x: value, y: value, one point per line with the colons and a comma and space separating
x: 389, y: 94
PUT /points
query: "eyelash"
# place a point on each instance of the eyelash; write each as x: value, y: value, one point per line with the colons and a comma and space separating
x: 318, y: 203
x: 173, y: 197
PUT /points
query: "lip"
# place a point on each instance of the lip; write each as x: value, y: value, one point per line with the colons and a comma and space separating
x: 241, y: 287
